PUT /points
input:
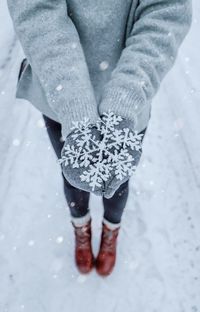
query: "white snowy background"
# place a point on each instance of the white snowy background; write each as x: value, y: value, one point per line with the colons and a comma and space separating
x: 158, y: 264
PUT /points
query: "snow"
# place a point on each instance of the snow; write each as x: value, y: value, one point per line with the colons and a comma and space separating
x: 159, y: 244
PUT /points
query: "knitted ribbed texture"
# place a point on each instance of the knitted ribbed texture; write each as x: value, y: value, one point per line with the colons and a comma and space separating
x: 123, y: 102
x: 77, y: 108
x: 80, y: 49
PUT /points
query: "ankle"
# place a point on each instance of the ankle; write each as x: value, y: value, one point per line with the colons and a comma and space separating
x: 110, y: 225
x: 81, y: 221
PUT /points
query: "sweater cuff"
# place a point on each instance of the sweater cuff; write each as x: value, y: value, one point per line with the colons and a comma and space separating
x: 77, y: 109
x: 71, y: 103
x: 122, y: 101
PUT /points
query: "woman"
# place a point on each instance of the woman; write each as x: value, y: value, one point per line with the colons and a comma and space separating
x: 84, y: 59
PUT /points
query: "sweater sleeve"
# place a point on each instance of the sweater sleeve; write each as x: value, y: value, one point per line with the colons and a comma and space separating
x: 150, y: 51
x: 52, y: 46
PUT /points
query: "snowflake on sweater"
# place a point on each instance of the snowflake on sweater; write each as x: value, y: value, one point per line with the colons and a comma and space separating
x: 100, y: 158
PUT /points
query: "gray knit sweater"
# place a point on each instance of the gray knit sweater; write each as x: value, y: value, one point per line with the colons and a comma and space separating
x: 88, y: 56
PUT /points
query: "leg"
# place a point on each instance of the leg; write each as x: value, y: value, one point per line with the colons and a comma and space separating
x: 114, y: 206
x: 77, y: 200
x: 78, y: 204
x: 113, y: 210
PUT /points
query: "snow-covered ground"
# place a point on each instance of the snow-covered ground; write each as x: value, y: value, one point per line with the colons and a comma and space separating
x: 158, y: 265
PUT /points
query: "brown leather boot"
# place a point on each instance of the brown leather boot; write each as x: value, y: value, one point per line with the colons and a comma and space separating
x: 106, y: 258
x: 83, y: 248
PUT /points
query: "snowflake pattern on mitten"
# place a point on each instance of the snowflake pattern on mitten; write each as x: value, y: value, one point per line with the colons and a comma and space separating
x: 100, y: 159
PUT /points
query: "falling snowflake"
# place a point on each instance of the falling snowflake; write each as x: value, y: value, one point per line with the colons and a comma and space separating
x: 16, y: 142
x: 59, y: 87
x: 100, y: 158
x: 31, y: 243
x: 59, y: 239
x: 103, y: 65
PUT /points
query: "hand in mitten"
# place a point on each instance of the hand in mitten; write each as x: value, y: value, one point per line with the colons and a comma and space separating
x: 80, y: 157
x: 122, y: 150
x: 100, y: 157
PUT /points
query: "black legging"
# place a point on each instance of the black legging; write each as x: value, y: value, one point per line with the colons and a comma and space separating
x: 78, y: 199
